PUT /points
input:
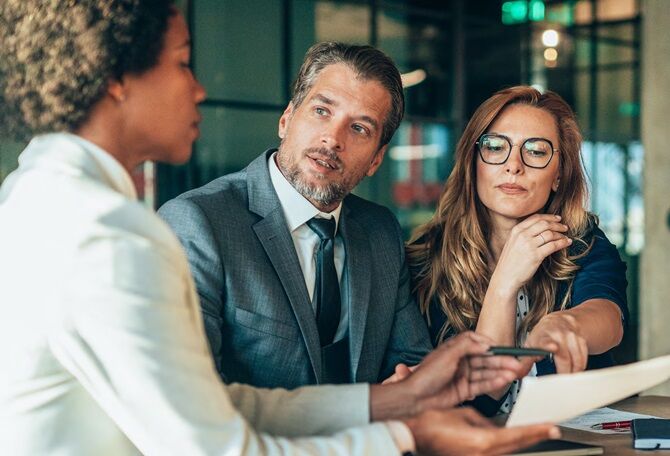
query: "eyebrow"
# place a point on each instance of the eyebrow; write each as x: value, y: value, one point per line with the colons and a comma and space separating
x: 330, y: 102
x: 523, y: 140
x: 323, y: 99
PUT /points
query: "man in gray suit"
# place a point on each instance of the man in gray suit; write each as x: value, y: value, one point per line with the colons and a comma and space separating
x: 299, y: 281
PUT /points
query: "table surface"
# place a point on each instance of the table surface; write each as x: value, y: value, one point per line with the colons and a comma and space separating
x: 622, y: 444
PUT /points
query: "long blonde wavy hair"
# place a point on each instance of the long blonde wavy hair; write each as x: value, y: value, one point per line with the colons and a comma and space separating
x: 450, y: 256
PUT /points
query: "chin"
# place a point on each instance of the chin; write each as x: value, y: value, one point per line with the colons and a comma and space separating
x: 520, y: 215
x: 177, y: 157
x: 315, y: 178
x: 182, y: 159
x: 514, y: 213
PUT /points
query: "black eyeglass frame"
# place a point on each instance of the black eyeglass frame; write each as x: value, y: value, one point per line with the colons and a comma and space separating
x: 511, y: 146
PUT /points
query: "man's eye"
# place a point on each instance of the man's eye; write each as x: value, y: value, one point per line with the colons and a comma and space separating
x: 360, y: 129
x: 320, y: 111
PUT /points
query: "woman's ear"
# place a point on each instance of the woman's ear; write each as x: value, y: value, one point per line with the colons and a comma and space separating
x: 554, y: 185
x: 116, y: 90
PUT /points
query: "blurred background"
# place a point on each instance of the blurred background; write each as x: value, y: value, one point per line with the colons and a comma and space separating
x: 453, y: 54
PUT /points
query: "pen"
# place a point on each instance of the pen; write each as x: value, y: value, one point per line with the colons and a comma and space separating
x: 612, y: 425
x: 517, y: 351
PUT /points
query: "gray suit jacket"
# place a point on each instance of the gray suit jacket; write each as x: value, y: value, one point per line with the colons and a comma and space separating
x: 258, y: 316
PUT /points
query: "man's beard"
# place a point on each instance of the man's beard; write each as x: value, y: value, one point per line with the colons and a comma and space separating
x: 325, y: 195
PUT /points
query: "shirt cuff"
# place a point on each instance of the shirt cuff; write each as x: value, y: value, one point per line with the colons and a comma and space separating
x: 402, y: 436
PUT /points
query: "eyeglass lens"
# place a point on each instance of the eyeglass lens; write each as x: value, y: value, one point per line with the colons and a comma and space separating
x: 495, y: 150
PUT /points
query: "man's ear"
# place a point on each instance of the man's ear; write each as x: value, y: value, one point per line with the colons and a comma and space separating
x: 284, y: 120
x: 116, y: 90
x: 377, y: 160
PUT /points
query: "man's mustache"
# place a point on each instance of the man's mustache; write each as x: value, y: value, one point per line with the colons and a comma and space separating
x: 324, y: 153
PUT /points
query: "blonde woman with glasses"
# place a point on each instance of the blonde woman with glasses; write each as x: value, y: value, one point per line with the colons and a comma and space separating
x: 512, y: 251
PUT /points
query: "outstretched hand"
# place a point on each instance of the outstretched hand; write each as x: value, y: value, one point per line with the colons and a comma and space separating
x: 456, y: 371
x: 463, y: 431
x: 559, y: 333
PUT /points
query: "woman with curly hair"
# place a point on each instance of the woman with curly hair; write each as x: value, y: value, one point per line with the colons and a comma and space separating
x: 101, y: 339
x: 511, y: 251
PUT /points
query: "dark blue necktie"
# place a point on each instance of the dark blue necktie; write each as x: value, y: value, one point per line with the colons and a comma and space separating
x: 327, y: 287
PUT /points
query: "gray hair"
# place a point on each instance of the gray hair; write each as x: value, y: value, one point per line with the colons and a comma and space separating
x: 369, y: 64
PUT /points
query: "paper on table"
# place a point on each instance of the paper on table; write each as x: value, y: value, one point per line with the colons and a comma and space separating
x: 556, y: 398
x: 602, y: 415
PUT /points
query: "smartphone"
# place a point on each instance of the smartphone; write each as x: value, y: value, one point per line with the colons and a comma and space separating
x: 518, y: 351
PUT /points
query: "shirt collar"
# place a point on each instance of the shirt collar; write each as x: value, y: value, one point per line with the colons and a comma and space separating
x: 297, y: 209
x: 70, y: 150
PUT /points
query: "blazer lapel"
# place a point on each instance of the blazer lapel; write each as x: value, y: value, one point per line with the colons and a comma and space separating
x: 358, y: 255
x: 276, y: 240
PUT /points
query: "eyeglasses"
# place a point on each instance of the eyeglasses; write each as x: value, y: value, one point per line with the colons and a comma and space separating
x: 496, y: 149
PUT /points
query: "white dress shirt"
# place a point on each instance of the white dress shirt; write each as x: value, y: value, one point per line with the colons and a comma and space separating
x: 102, y: 345
x: 297, y: 212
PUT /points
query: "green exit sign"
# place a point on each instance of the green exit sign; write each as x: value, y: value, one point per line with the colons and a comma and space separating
x: 520, y: 11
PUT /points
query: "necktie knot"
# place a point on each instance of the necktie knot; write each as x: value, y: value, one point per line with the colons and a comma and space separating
x: 324, y: 228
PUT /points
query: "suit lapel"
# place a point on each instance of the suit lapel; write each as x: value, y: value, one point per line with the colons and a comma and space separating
x: 278, y: 244
x: 276, y: 240
x: 358, y: 262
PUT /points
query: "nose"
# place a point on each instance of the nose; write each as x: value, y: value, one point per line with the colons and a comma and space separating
x: 198, y: 91
x: 333, y: 136
x: 514, y: 164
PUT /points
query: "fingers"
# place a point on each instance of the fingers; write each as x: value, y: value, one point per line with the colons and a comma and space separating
x: 495, y: 362
x: 390, y: 380
x: 578, y: 351
x: 489, y: 374
x: 543, y: 234
x: 446, y: 364
x: 473, y: 417
x: 493, y: 373
x: 467, y: 343
x: 541, y: 226
x: 553, y: 246
x: 557, y: 333
x: 511, y: 439
x: 536, y: 218
x: 540, y: 337
x: 490, y: 367
x: 527, y: 362
x: 561, y: 356
x: 546, y: 236
x: 571, y: 355
x: 488, y: 386
x: 584, y: 356
x: 402, y: 371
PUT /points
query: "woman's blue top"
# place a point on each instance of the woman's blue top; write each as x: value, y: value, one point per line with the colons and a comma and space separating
x: 601, y: 274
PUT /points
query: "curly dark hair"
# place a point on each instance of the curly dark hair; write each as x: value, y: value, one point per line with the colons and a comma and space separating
x: 57, y: 56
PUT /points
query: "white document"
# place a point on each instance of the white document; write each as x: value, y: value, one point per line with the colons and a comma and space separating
x: 602, y: 415
x: 556, y: 398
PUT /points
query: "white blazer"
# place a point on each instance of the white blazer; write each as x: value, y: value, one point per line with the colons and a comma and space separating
x: 102, y: 346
